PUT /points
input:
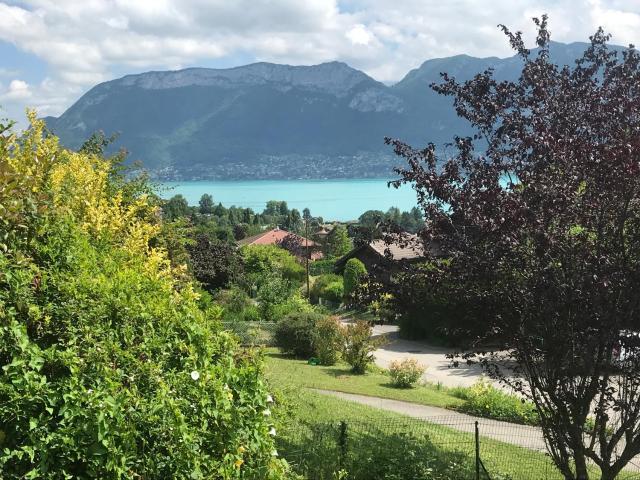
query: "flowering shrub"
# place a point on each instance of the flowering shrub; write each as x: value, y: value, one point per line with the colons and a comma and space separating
x: 359, y: 346
x: 405, y: 373
x: 328, y: 337
x: 109, y: 369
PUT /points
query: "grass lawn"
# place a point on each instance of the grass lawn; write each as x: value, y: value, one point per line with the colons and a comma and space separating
x: 385, y: 445
x: 284, y: 370
x: 379, y: 444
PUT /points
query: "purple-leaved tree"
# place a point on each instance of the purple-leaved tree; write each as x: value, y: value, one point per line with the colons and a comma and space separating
x: 539, y: 217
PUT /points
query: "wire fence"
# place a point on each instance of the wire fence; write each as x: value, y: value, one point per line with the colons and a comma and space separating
x: 443, y: 448
x: 456, y: 447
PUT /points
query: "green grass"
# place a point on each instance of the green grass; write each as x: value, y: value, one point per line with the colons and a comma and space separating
x: 376, y: 439
x: 380, y: 443
x: 284, y: 370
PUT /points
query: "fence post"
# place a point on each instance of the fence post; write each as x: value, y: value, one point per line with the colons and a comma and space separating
x: 342, y: 441
x: 477, y: 451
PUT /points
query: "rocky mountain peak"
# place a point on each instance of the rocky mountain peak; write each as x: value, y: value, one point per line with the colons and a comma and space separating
x: 335, y: 78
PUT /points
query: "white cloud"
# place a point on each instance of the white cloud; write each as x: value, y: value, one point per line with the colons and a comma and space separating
x: 17, y: 90
x: 359, y: 35
x: 85, y: 42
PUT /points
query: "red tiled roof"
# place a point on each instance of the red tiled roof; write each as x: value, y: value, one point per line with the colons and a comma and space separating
x: 275, y: 237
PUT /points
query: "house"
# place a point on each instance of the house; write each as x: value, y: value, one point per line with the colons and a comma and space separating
x: 290, y: 241
x: 322, y: 234
x: 375, y: 258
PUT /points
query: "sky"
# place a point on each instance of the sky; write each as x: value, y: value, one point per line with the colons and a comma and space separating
x: 53, y: 51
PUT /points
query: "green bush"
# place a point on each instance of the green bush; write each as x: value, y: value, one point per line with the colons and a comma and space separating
x: 328, y: 287
x: 485, y: 400
x: 262, y: 262
x: 321, y: 267
x: 354, y: 271
x: 273, y: 296
x: 295, y: 333
x: 108, y: 367
x: 234, y: 302
x: 359, y: 346
x: 334, y: 292
x: 239, y: 307
x: 328, y: 338
x: 405, y: 373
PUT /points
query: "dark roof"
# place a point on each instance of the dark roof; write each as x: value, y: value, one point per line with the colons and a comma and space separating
x: 397, y: 250
x: 407, y: 250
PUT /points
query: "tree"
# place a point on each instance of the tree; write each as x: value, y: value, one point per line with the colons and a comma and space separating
x: 272, y: 208
x: 354, y: 272
x: 359, y: 345
x: 206, y: 204
x: 240, y: 231
x: 371, y: 218
x: 219, y: 211
x: 215, y: 263
x: 176, y: 207
x: 306, y: 214
x: 338, y: 242
x: 262, y: 261
x: 294, y: 221
x: 539, y: 214
x: 393, y: 215
x: 110, y: 369
x: 369, y: 227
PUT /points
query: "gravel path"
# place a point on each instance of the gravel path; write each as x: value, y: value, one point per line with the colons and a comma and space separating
x: 439, y: 368
x: 520, y: 435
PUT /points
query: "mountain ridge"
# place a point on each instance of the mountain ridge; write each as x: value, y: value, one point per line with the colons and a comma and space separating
x: 267, y: 120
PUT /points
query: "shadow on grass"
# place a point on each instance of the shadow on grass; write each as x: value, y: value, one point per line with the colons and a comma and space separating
x: 339, y: 373
x: 281, y: 356
x: 391, y: 386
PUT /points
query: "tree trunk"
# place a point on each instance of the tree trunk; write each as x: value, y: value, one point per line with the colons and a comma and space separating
x: 581, y: 466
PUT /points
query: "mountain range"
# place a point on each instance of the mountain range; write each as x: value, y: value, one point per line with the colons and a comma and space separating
x: 267, y: 120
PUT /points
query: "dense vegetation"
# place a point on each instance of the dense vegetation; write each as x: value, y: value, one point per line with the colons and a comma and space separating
x: 382, y: 444
x: 110, y: 369
x: 538, y: 215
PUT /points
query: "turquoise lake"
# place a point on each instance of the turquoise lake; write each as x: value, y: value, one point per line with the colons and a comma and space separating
x: 343, y: 199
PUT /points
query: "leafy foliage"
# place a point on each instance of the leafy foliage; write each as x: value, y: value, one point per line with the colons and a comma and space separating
x: 338, y: 242
x: 321, y: 267
x: 328, y: 287
x: 109, y: 368
x: 359, y: 346
x: 354, y: 272
x: 328, y: 339
x: 236, y: 305
x: 176, y: 207
x: 539, y: 213
x: 295, y: 333
x: 205, y: 204
x: 215, y: 264
x: 484, y: 400
x: 405, y: 373
x: 263, y: 260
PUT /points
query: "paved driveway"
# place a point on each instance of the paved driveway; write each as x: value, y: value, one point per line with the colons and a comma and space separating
x: 521, y: 435
x: 434, y: 358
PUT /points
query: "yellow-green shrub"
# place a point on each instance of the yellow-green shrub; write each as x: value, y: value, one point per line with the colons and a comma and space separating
x: 359, y: 346
x: 108, y: 367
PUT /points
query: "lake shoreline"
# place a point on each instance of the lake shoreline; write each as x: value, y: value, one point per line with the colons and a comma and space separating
x: 343, y: 199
